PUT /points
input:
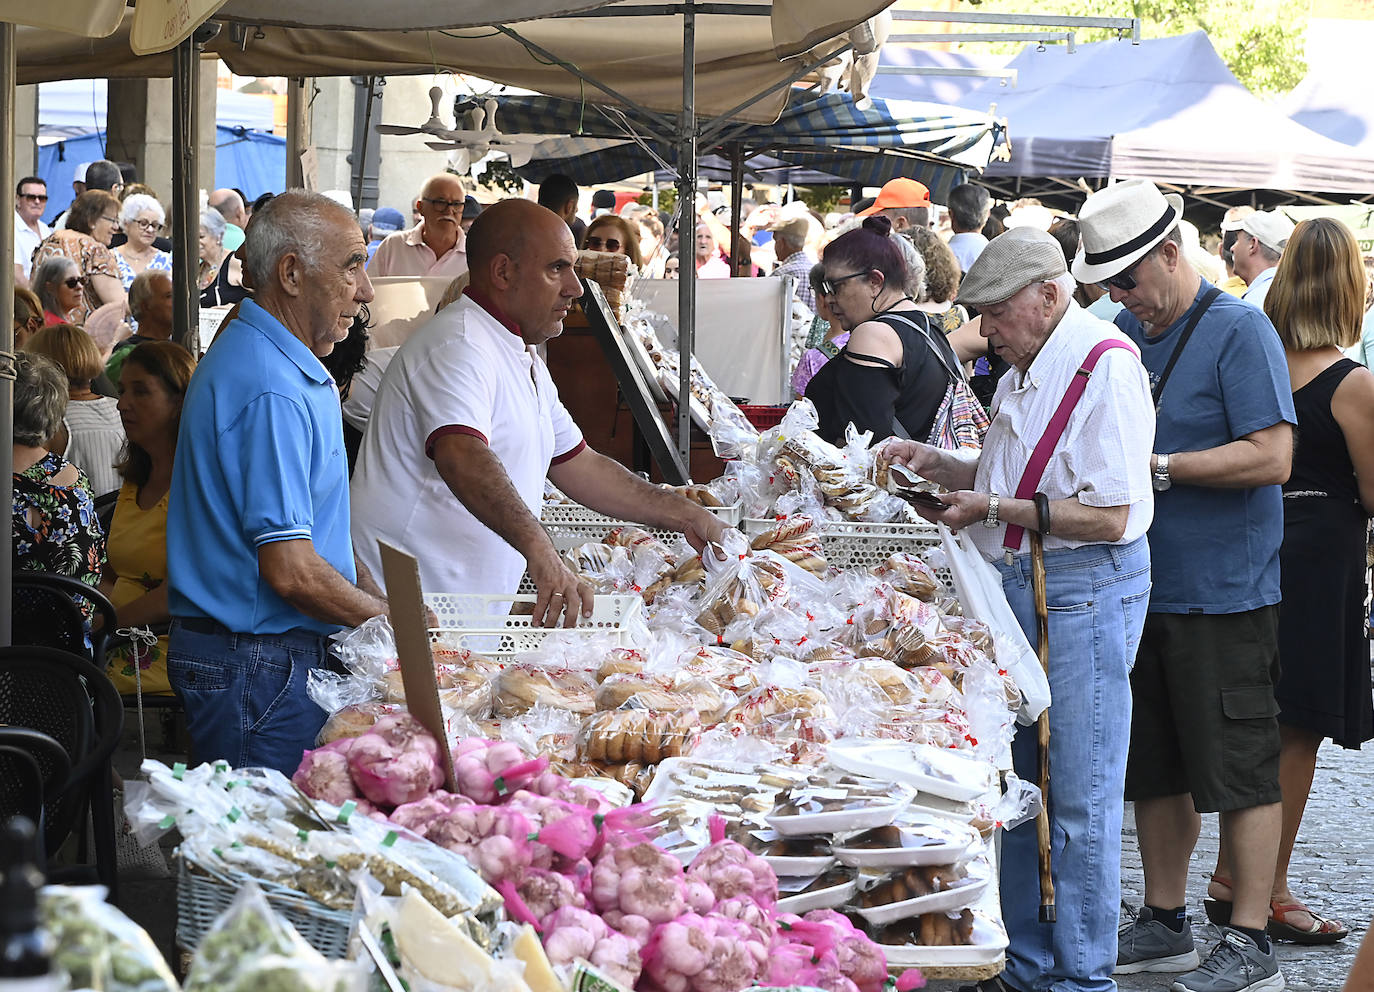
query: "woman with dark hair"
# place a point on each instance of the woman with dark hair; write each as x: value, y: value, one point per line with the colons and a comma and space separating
x: 1316, y: 303
x: 615, y: 235
x: 348, y: 358
x: 91, y: 224
x: 152, y: 384
x: 53, y: 522
x: 892, y: 375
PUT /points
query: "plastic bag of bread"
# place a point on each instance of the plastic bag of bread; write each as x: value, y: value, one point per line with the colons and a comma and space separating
x: 606, y: 569
x: 798, y: 540
x: 732, y: 435
x: 635, y: 734
x: 908, y: 573
x: 741, y: 585
x: 720, y: 666
x: 522, y: 686
x: 621, y: 661
x: 544, y: 731
x: 367, y: 650
x: 354, y: 720
x: 636, y: 539
x: 771, y: 701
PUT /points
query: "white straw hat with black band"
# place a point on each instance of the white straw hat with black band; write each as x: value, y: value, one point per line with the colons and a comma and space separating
x: 1119, y: 225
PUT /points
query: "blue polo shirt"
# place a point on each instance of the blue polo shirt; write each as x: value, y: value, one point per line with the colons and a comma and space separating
x: 260, y: 458
x: 1215, y: 550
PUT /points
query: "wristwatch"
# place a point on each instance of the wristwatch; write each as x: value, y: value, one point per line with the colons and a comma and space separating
x: 1161, y: 477
x: 993, y: 502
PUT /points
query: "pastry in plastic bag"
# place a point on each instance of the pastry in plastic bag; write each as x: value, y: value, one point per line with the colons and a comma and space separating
x: 638, y: 735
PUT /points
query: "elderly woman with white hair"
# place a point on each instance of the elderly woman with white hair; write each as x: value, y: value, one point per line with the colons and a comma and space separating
x: 212, y: 226
x: 142, y: 218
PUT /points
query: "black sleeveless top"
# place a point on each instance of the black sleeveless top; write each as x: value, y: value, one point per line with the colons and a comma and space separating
x: 871, y: 396
x: 1321, y: 463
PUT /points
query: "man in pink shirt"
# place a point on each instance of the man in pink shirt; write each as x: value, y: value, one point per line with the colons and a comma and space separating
x: 434, y: 247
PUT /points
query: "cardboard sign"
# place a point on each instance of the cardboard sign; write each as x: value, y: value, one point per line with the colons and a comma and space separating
x: 410, y: 626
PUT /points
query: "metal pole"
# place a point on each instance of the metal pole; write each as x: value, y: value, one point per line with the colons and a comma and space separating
x: 185, y: 195
x: 686, y: 232
x: 297, y: 129
x: 736, y: 208
x: 8, y: 81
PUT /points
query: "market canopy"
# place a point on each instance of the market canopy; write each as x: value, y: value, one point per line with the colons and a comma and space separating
x: 1332, y: 98
x: 1167, y: 109
x: 826, y: 135
x: 633, y: 46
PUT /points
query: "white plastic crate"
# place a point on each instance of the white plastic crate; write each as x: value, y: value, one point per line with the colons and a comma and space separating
x: 852, y: 544
x: 485, y: 623
x: 571, y: 524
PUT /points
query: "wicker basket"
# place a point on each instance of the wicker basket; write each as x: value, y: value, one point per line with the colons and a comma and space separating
x: 570, y: 524
x: 204, y: 893
x: 849, y: 544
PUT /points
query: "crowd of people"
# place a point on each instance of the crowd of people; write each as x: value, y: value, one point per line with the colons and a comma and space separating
x: 1185, y: 433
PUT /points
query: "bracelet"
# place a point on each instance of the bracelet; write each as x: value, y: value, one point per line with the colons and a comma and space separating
x: 994, y: 501
x: 1042, y: 512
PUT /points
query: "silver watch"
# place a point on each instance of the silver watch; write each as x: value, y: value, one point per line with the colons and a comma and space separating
x: 994, y: 501
x: 1161, y: 476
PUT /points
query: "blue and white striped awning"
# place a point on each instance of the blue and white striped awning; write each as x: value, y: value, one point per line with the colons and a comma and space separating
x: 826, y: 136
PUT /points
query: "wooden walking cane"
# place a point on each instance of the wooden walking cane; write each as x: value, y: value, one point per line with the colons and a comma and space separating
x: 1042, y: 726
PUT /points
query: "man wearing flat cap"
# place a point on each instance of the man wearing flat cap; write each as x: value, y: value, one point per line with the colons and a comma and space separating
x: 1260, y: 241
x: 1203, y: 733
x: 1067, y: 456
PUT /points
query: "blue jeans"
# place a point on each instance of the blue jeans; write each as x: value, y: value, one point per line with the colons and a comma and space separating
x: 245, y: 694
x: 1097, y: 596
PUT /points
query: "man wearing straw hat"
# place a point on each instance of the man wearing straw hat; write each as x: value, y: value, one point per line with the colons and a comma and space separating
x: 1203, y: 734
x: 1063, y: 468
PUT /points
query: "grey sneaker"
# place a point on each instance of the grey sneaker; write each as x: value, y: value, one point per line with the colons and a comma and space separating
x: 1145, y: 944
x: 1235, y: 965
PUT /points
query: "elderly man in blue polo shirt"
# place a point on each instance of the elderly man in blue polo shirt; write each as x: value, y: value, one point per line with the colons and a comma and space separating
x: 260, y: 565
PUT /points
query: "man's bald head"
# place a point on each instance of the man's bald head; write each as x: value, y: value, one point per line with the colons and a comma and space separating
x: 509, y: 228
x: 521, y: 258
x: 229, y: 205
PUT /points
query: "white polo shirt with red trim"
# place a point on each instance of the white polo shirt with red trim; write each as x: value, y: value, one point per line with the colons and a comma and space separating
x: 404, y: 253
x: 467, y: 371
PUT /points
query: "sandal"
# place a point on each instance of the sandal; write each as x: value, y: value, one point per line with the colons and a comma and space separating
x: 1323, y: 931
x: 1219, y: 910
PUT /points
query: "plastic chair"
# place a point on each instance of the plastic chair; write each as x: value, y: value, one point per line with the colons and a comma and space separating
x: 66, y: 697
x: 32, y: 767
x: 47, y: 614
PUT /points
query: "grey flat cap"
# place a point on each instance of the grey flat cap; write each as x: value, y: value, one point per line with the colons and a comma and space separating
x: 1011, y: 262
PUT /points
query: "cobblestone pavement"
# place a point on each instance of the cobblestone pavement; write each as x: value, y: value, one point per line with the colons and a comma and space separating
x: 1333, y: 870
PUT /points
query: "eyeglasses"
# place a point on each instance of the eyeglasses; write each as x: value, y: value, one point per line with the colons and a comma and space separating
x: 112, y: 220
x: 596, y: 244
x: 1125, y: 280
x: 34, y: 197
x: 72, y: 282
x: 147, y: 225
x: 828, y: 285
x: 442, y: 205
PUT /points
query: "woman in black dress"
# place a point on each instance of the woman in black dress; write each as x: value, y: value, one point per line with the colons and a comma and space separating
x: 1317, y: 303
x: 892, y: 375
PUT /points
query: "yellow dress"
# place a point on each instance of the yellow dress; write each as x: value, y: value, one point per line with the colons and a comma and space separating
x: 137, y: 552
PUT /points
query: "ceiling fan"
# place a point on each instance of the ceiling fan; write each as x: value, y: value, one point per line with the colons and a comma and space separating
x: 434, y: 126
x: 483, y: 136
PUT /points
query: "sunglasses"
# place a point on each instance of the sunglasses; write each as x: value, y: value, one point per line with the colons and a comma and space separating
x: 828, y: 286
x: 599, y: 244
x: 34, y: 197
x: 1124, y: 280
x: 442, y: 205
x: 72, y: 282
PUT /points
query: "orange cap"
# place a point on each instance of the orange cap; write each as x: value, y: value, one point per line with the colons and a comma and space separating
x: 899, y: 193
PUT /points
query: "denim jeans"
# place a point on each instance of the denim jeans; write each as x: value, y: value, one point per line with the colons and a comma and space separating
x: 245, y: 694
x: 1097, y: 596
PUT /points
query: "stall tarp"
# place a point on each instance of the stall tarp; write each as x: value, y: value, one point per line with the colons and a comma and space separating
x: 1332, y: 98
x: 1167, y: 109
x: 73, y: 107
x: 252, y: 161
x: 931, y: 88
x: 827, y: 135
x: 737, y: 55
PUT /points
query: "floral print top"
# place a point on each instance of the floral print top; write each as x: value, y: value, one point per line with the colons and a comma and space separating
x: 55, y: 527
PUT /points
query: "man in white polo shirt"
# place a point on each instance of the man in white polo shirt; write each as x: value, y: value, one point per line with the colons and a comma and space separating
x: 467, y: 424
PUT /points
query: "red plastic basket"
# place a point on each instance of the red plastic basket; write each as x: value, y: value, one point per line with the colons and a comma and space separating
x: 763, y: 417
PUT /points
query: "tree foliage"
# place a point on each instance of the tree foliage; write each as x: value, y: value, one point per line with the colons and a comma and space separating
x: 1260, y: 40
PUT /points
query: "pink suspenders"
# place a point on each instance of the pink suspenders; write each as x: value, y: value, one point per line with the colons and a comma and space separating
x: 1040, y: 457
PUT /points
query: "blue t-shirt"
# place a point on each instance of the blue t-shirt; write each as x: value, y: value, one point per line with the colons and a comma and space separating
x: 1215, y: 550
x: 260, y: 458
